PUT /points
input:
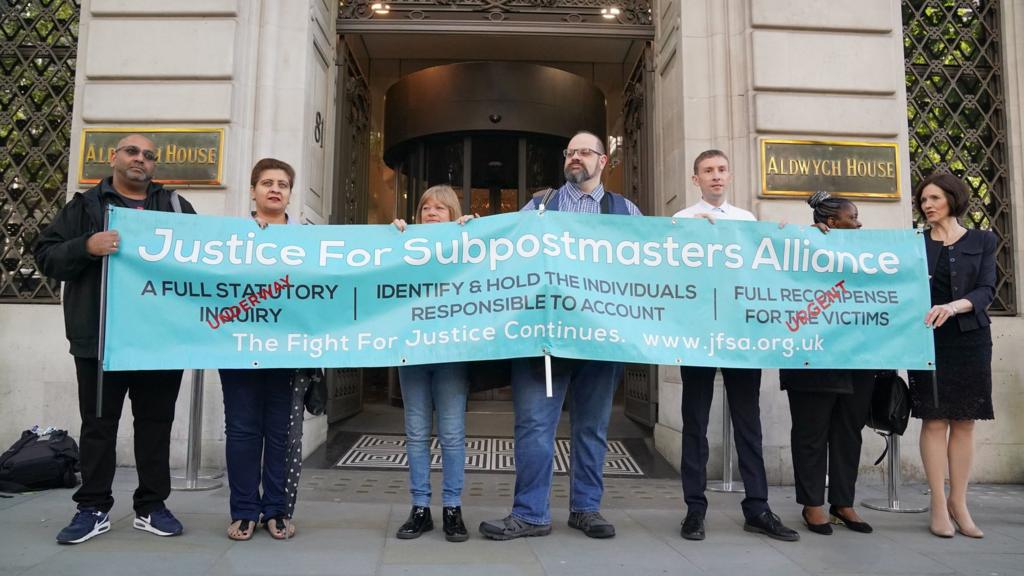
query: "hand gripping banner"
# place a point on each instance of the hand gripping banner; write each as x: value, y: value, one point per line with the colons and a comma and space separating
x: 210, y: 292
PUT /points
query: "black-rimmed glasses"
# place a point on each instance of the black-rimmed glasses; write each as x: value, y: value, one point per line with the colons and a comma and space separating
x: 583, y: 152
x: 135, y: 150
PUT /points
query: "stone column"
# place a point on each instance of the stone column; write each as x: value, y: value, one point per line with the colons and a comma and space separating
x: 261, y: 70
x: 733, y: 71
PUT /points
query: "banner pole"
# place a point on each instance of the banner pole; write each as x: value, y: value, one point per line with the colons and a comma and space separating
x: 101, y: 337
x: 547, y: 374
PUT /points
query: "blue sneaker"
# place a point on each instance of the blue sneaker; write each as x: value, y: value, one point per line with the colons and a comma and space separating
x: 88, y: 522
x: 160, y: 522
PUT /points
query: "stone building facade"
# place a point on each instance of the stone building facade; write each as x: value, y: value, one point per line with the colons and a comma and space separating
x: 276, y: 76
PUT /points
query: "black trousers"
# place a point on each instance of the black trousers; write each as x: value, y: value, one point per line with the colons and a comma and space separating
x: 153, y: 394
x: 826, y: 435
x: 743, y: 389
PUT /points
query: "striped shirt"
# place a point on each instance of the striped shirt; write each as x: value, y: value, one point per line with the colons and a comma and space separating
x: 572, y: 199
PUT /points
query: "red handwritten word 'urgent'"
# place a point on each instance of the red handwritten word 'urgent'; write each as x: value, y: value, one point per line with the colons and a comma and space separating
x: 249, y: 302
x: 821, y: 302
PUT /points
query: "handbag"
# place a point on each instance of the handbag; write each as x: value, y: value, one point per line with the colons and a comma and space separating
x: 315, y: 398
x: 890, y: 404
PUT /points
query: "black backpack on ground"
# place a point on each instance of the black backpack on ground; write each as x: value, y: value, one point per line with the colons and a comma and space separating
x: 37, y: 462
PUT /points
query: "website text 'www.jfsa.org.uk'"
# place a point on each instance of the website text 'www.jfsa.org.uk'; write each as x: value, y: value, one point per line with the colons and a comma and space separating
x: 720, y: 341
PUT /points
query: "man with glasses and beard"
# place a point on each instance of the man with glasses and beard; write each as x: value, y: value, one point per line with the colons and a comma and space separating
x: 593, y: 384
x: 71, y: 249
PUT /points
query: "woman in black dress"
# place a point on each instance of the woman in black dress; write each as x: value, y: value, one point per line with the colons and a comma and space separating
x: 828, y: 410
x: 961, y: 264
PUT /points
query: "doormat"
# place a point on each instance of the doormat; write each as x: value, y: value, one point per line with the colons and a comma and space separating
x: 377, y: 451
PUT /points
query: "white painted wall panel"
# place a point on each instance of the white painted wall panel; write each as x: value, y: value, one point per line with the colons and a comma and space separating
x: 825, y: 62
x: 164, y: 7
x: 156, y: 102
x: 859, y: 15
x: 827, y: 114
x: 160, y: 48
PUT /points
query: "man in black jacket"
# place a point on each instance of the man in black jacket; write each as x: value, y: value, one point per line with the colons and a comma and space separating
x: 71, y: 249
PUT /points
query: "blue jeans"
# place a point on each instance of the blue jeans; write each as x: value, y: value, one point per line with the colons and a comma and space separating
x: 424, y: 388
x: 593, y: 386
x: 256, y: 409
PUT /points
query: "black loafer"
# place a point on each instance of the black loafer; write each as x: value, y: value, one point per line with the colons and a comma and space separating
x: 418, y: 522
x: 824, y: 529
x: 454, y: 528
x: 693, y: 526
x: 770, y: 525
x: 837, y: 518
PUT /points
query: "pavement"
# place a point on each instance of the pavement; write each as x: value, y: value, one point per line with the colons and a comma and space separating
x: 347, y: 519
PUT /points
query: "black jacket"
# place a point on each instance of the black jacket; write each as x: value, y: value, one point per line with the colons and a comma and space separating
x: 972, y: 264
x: 61, y: 255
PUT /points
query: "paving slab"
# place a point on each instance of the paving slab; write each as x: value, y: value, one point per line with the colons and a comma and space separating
x: 347, y: 520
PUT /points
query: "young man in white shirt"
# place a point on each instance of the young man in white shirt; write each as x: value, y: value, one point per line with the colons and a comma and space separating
x: 742, y: 386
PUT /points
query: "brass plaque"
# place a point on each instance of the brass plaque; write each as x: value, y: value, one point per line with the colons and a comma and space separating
x: 185, y: 156
x: 798, y: 168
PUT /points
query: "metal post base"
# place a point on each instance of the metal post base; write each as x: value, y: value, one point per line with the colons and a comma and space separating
x: 196, y: 485
x: 204, y: 473
x: 723, y: 486
x: 193, y: 480
x: 889, y: 506
x: 894, y: 503
x: 726, y: 484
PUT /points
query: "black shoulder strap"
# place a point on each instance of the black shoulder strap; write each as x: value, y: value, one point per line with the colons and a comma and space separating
x: 606, y: 202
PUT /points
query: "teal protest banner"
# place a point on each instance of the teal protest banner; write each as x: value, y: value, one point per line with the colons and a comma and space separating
x: 209, y: 292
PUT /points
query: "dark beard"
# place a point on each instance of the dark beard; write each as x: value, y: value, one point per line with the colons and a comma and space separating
x: 578, y: 177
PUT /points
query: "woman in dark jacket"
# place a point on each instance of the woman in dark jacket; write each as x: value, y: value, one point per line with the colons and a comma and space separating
x: 828, y: 409
x: 962, y: 269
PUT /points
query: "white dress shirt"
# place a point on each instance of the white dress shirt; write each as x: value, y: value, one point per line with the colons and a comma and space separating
x: 724, y: 212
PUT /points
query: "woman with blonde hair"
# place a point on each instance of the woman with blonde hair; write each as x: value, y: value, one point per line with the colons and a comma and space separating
x: 443, y: 387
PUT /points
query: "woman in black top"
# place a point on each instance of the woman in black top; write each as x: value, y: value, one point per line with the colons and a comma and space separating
x: 828, y: 410
x: 961, y: 264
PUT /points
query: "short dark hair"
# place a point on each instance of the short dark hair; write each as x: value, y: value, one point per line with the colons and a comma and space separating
x: 600, y: 142
x: 713, y: 153
x: 826, y: 206
x: 957, y: 195
x: 271, y: 164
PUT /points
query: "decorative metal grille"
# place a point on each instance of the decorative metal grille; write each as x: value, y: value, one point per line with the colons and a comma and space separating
x: 956, y: 110
x: 626, y: 12
x: 350, y: 199
x: 38, y: 43
x: 638, y: 131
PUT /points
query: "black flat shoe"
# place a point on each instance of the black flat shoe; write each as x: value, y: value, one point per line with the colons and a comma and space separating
x: 837, y: 519
x: 419, y: 522
x: 454, y: 528
x: 824, y: 529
